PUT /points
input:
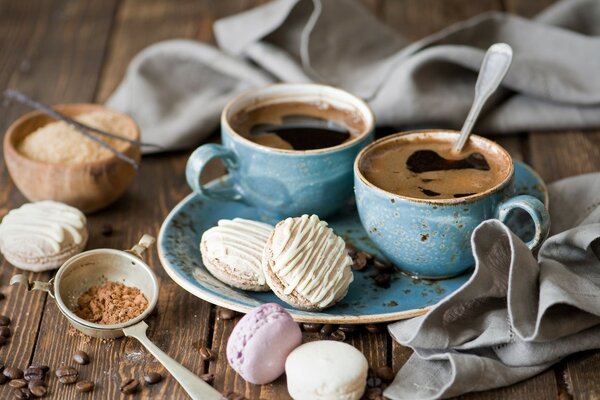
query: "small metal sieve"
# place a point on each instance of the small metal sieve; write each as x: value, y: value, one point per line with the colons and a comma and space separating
x: 94, y: 267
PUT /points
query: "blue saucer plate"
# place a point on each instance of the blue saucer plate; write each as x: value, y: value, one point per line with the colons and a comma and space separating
x: 406, y: 297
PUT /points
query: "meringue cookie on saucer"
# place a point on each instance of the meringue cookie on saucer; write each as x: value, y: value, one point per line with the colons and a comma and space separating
x: 306, y: 264
x: 43, y: 235
x: 232, y: 252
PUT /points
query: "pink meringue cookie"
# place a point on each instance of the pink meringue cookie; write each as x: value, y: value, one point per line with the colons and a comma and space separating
x: 260, y: 343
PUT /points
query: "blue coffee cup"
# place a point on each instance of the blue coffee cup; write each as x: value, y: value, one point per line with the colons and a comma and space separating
x: 280, y: 182
x: 431, y: 238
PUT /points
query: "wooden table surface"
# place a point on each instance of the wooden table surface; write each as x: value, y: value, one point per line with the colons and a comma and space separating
x: 77, y: 51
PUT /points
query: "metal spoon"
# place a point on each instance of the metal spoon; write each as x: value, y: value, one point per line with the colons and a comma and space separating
x: 493, y: 69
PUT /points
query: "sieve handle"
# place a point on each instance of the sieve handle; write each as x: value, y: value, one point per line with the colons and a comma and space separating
x: 191, y: 383
x: 21, y: 279
x: 145, y: 242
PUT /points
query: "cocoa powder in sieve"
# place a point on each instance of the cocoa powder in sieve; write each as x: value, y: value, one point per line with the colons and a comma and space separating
x: 112, y: 303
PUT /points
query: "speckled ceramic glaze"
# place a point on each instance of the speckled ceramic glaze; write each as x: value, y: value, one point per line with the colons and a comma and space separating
x: 365, y: 302
x: 284, y: 182
x: 432, y: 237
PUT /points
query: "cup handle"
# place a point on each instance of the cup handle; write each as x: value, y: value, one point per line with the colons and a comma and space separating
x: 196, y: 163
x: 536, y: 210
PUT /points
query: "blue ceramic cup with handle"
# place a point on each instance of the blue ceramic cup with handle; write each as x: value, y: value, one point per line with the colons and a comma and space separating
x: 282, y: 182
x: 429, y: 237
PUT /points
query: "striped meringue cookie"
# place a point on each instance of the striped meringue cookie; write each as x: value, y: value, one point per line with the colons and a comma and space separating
x: 306, y: 264
x: 42, y: 235
x: 232, y: 252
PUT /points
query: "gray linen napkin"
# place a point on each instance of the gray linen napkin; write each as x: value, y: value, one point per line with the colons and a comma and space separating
x: 176, y: 89
x: 516, y: 316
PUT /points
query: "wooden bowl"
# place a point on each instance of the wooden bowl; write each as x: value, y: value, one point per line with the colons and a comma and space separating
x: 89, y: 186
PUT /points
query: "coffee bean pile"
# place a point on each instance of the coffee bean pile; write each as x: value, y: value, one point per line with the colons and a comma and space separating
x: 4, y: 329
x: 339, y: 332
x: 377, y: 381
x: 380, y: 271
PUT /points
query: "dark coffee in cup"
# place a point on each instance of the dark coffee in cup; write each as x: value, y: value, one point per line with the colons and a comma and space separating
x: 298, y: 125
x: 425, y: 167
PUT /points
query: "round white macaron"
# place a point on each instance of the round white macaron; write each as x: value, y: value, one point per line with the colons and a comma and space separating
x: 326, y: 370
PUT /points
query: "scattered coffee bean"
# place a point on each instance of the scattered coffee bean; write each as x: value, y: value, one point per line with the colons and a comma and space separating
x: 39, y: 391
x: 106, y: 230
x: 2, y: 296
x: 233, y: 396
x: 227, y: 314
x: 13, y: 373
x: 351, y: 249
x: 23, y: 394
x: 338, y: 335
x: 129, y: 386
x: 4, y: 320
x: 386, y: 374
x: 374, y: 328
x: 373, y: 382
x: 5, y: 331
x: 205, y: 353
x: 33, y: 373
x: 84, y: 386
x: 208, y: 378
x: 81, y: 357
x: 17, y: 383
x: 3, y: 379
x: 328, y: 329
x: 360, y: 261
x: 3, y: 340
x: 348, y: 328
x: 383, y: 266
x: 383, y: 280
x: 152, y: 377
x: 373, y: 393
x: 36, y: 382
x: 67, y: 375
x: 310, y: 327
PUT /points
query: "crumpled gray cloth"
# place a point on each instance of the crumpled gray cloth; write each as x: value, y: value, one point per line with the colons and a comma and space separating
x: 516, y: 316
x: 176, y: 89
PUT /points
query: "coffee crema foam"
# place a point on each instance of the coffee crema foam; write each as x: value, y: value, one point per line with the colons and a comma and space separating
x: 479, y: 167
x: 298, y: 125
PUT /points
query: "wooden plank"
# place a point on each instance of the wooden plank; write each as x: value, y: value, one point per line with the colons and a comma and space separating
x: 52, y: 49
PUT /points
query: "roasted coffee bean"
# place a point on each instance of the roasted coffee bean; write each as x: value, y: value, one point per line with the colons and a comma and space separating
x: 373, y: 382
x: 383, y: 266
x: 84, y: 386
x: 39, y: 391
x: 106, y: 230
x: 152, y: 377
x: 5, y: 331
x: 3, y: 340
x: 3, y: 379
x: 129, y: 386
x: 351, y: 249
x: 23, y: 394
x: 348, y: 328
x: 386, y: 374
x: 17, y: 383
x: 13, y: 373
x: 383, y: 280
x: 233, y: 396
x: 4, y: 320
x: 81, y: 357
x: 2, y: 296
x: 328, y: 329
x: 227, y: 314
x: 208, y: 378
x: 36, y: 382
x: 338, y: 335
x: 32, y: 373
x: 205, y: 353
x: 67, y: 375
x: 374, y: 328
x: 360, y: 261
x: 310, y: 327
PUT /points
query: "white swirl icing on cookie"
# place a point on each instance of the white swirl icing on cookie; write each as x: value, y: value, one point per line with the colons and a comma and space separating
x: 44, y: 220
x: 238, y: 243
x: 308, y: 257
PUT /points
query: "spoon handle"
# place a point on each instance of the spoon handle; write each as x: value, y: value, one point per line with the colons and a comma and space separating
x: 191, y: 383
x: 495, y: 65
